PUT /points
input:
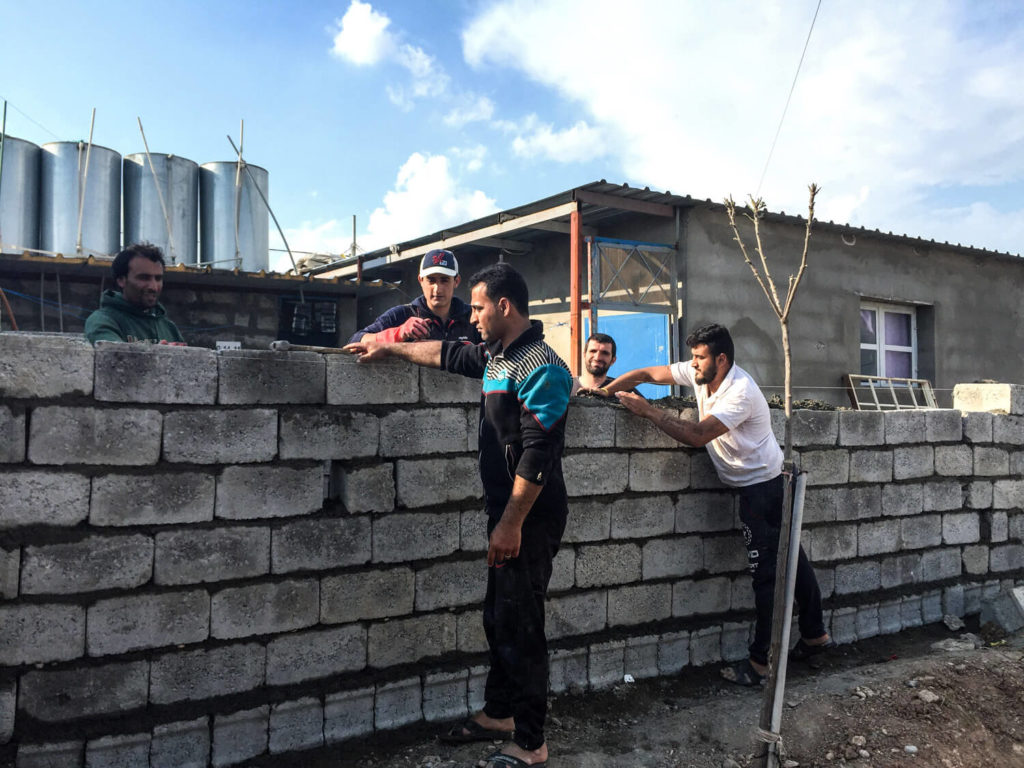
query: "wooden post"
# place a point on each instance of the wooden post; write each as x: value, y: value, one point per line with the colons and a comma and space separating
x: 575, y: 311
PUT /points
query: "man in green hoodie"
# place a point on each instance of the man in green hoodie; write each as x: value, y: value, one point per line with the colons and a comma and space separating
x: 134, y: 313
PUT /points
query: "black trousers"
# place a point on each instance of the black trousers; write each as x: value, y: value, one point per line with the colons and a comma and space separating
x: 761, y: 515
x: 517, y: 683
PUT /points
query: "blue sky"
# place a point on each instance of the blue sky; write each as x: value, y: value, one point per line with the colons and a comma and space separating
x: 417, y: 115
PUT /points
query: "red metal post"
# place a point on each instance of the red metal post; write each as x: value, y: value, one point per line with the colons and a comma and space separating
x: 575, y: 319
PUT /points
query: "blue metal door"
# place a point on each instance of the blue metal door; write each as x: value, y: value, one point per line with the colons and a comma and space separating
x: 641, y: 340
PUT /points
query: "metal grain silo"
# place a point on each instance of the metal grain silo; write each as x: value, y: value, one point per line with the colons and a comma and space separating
x: 79, y: 181
x: 178, y: 182
x: 222, y: 206
x: 19, y: 195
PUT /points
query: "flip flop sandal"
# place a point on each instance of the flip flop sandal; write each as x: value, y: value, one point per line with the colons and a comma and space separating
x: 499, y: 759
x: 743, y: 673
x: 470, y: 730
x: 803, y: 651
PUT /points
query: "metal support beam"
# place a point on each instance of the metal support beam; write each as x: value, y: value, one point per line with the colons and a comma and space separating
x: 575, y: 319
x: 624, y: 203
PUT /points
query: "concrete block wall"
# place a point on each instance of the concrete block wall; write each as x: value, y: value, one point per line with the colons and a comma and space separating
x: 207, y: 557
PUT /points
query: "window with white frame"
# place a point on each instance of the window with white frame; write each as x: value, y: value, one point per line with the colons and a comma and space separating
x: 888, y: 340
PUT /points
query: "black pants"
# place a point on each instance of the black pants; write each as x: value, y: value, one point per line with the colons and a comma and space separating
x: 761, y: 515
x: 517, y: 684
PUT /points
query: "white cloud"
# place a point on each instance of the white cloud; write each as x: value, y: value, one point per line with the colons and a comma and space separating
x: 470, y: 158
x: 474, y: 108
x: 578, y: 143
x: 362, y: 35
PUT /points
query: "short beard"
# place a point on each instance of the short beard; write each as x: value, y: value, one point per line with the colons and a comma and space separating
x: 596, y: 369
x: 702, y: 379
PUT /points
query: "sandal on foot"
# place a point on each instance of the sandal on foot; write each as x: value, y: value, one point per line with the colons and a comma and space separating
x: 501, y: 760
x: 470, y: 730
x: 743, y: 673
x: 803, y: 651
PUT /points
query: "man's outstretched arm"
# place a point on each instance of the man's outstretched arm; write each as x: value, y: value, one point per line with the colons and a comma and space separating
x: 696, y: 435
x: 425, y: 353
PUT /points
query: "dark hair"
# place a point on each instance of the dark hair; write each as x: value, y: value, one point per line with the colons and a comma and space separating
x: 123, y: 259
x: 503, y: 282
x: 716, y: 337
x: 602, y: 338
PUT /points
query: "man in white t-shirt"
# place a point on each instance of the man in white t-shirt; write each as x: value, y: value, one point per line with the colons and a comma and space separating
x: 735, y: 426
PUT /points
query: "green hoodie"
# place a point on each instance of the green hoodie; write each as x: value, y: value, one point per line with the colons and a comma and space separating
x: 117, y: 320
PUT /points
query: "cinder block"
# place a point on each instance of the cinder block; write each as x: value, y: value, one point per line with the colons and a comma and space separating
x: 931, y: 606
x: 593, y: 474
x: 943, y: 426
x: 641, y: 657
x: 327, y: 433
x: 866, y: 623
x: 588, y: 520
x: 742, y: 598
x: 12, y: 435
x: 181, y: 745
x: 639, y: 604
x: 469, y: 632
x: 940, y: 564
x: 397, y: 704
x: 979, y: 494
x: 10, y: 570
x: 155, y: 373
x: 351, y: 383
x: 954, y: 460
x: 602, y: 564
x: 890, y: 620
x: 1017, y: 463
x: 1008, y: 494
x: 606, y: 664
x: 206, y: 673
x: 943, y: 496
x: 590, y: 425
x: 423, y: 432
x: 451, y: 584
x: 121, y: 751
x: 1005, y: 609
x: 904, y: 427
x: 821, y: 505
x: 643, y: 517
x: 834, y: 542
x: 819, y: 428
x: 1008, y: 429
x: 40, y: 497
x: 112, y: 436
x: 997, y: 527
x: 320, y: 544
x: 89, y: 565
x: 913, y: 461
x: 1016, y: 531
x: 256, y: 376
x: 703, y: 475
x: 692, y: 598
x: 368, y: 489
x: 844, y: 625
x: 960, y: 528
x: 978, y: 427
x: 61, y: 754
x: 1006, y: 398
x: 870, y: 466
x: 568, y: 670
x: 444, y: 696
x: 190, y: 556
x: 427, y: 482
x: 778, y: 419
x: 256, y: 492
x: 902, y: 500
x: 673, y: 652
x: 861, y: 428
x: 368, y: 595
x: 826, y: 467
x: 402, y: 641
x: 477, y: 685
x: 851, y: 578
x: 953, y: 600
x: 990, y: 461
x: 735, y: 641
x: 576, y: 614
x: 563, y: 570
x: 262, y: 609
x: 348, y: 714
x: 705, y: 512
x: 152, y: 499
x: 725, y: 554
x: 414, y: 536
x: 60, y: 695
x: 910, y: 611
x: 437, y: 386
x: 706, y: 646
x: 659, y: 471
x: 920, y: 532
x: 473, y: 531
x: 975, y: 559
x: 877, y: 537
x: 826, y: 580
x: 33, y: 634
x: 38, y: 366
x: 1006, y: 557
x: 633, y: 431
x: 197, y: 436
x: 860, y: 503
x: 900, y: 570
x: 136, y: 622
x: 296, y: 725
x: 240, y: 736
x: 672, y: 557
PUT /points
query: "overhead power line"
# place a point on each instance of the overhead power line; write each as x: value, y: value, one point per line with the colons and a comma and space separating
x: 35, y: 122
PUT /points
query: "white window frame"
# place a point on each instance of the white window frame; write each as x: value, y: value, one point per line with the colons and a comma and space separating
x: 880, y: 347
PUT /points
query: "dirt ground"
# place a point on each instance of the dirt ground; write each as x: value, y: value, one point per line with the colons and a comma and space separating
x: 926, y: 698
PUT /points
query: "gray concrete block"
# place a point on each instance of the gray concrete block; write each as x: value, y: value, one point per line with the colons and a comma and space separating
x: 659, y: 471
x: 641, y: 657
x: 563, y: 570
x: 735, y: 639
x: 296, y: 725
x: 12, y: 435
x: 588, y: 520
x: 826, y: 579
x: 639, y: 604
x: 1007, y: 398
x: 953, y: 600
x: 320, y: 544
x: 590, y: 425
x: 975, y: 559
x: 327, y: 433
x: 397, y: 704
x: 1008, y: 429
x: 997, y: 527
x: 206, y: 673
x: 402, y: 641
x: 137, y: 622
x: 725, y: 554
x: 1008, y: 494
x: 821, y: 505
x: 990, y: 461
x: 673, y: 652
x: 861, y: 428
x: 833, y: 542
x: 1017, y: 463
x: 826, y: 467
x: 954, y: 460
x: 42, y: 497
x: 37, y: 366
x: 152, y: 499
x: 351, y: 383
x: 263, y: 491
x: 606, y: 664
x: 112, y: 436
x: 902, y: 500
x: 121, y: 751
x: 568, y: 670
x: 427, y: 482
x: 859, y: 503
x: 368, y: 489
x: 852, y: 578
x: 256, y: 376
x: 437, y: 386
x: 240, y: 736
x: 866, y: 622
x: 593, y: 474
x: 10, y: 571
x: 197, y: 436
x: 900, y: 570
x: 1005, y: 610
x: 778, y: 419
x: 943, y: 496
x: 961, y: 528
x: 742, y: 598
x: 476, y: 685
x: 155, y: 373
x: 943, y: 426
x: 348, y: 714
x: 473, y: 531
x: 61, y: 754
x: 706, y: 646
x: 189, y: 556
x: 262, y: 609
x: 913, y: 461
x: 977, y: 427
x: 877, y: 537
x: 920, y: 532
x: 844, y: 625
x: 1015, y: 525
x: 870, y: 466
x: 703, y: 475
x: 979, y: 494
x: 60, y: 695
x: 181, y: 745
x: 643, y: 517
x: 692, y: 598
x: 904, y: 427
x: 368, y: 595
x: 33, y: 634
x: 423, y: 432
x: 705, y: 512
x: 633, y: 431
x: 1006, y: 557
x: 890, y: 620
x: 940, y: 564
x: 672, y: 557
x: 910, y: 612
x: 414, y: 536
x: 89, y: 565
x: 469, y: 632
x: 602, y: 564
x: 444, y: 696
x: 576, y: 614
x: 819, y: 428
x: 451, y: 584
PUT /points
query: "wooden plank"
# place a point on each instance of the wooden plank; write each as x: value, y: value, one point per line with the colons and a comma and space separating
x: 624, y: 203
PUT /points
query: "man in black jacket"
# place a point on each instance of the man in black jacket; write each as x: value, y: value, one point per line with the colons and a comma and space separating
x: 437, y: 315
